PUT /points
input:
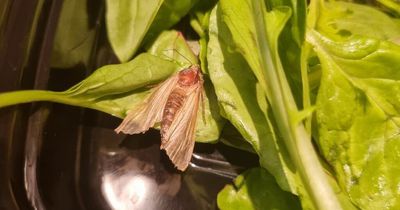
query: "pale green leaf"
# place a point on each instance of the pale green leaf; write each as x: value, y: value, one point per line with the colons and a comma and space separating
x: 344, y: 20
x: 358, y: 117
x: 127, y: 23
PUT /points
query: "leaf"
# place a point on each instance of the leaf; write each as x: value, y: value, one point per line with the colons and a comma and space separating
x: 171, y: 45
x: 200, y: 23
x: 241, y: 101
x: 393, y: 5
x: 127, y: 23
x: 74, y: 37
x: 115, y: 89
x: 255, y: 34
x: 342, y: 20
x: 256, y: 189
x: 297, y: 20
x: 358, y: 117
x: 170, y: 13
x: 232, y: 137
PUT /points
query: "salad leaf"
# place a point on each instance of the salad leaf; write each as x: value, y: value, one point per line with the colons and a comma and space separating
x: 115, y: 89
x: 127, y: 23
x: 170, y: 12
x: 393, y: 5
x: 297, y: 20
x: 255, y: 34
x: 358, y: 117
x: 171, y: 45
x: 200, y: 23
x: 256, y: 189
x: 104, y: 86
x: 75, y: 36
x: 356, y: 100
x: 343, y: 20
x: 242, y: 101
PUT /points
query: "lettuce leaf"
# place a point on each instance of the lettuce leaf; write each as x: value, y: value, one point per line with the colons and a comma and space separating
x: 357, y: 108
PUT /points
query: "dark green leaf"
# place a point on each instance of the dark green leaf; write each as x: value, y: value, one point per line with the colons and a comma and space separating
x: 170, y: 13
x: 75, y: 36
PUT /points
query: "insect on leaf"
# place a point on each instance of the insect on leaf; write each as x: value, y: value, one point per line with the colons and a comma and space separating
x: 174, y: 103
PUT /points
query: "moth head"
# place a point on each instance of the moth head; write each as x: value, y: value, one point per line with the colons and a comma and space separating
x: 190, y: 76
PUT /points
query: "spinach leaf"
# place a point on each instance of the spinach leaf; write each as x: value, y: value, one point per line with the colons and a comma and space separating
x: 171, y: 45
x: 358, y: 116
x: 356, y: 102
x: 242, y: 101
x: 256, y: 189
x: 109, y: 85
x: 200, y: 16
x: 342, y: 20
x: 127, y: 23
x: 255, y: 35
x: 115, y: 89
x: 170, y: 12
x: 75, y: 35
x: 393, y: 5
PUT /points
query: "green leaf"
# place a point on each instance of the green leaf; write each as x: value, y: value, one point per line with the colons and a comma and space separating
x: 171, y: 45
x: 393, y: 5
x: 255, y: 34
x: 75, y: 36
x: 127, y: 23
x: 115, y: 89
x: 256, y: 190
x: 170, y: 13
x: 242, y: 101
x: 109, y: 89
x: 358, y: 117
x: 200, y: 23
x: 342, y: 20
x: 232, y: 137
x: 297, y: 20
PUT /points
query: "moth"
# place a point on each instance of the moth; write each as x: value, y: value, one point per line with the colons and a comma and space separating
x: 174, y: 104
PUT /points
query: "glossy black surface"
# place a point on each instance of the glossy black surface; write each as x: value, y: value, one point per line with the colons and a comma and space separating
x: 54, y: 156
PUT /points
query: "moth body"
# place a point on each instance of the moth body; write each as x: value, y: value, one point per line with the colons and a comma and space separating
x: 187, y: 79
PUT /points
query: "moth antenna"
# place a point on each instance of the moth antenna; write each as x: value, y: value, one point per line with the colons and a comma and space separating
x: 180, y: 55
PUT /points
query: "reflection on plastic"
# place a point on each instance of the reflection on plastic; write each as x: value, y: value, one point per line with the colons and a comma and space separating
x: 127, y: 192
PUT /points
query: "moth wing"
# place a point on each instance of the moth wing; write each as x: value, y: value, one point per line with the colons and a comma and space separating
x: 178, y: 141
x: 139, y: 120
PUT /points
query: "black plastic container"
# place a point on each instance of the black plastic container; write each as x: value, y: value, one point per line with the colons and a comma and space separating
x: 54, y: 156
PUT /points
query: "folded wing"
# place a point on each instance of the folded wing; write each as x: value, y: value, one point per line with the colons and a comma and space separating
x: 140, y: 119
x: 179, y: 140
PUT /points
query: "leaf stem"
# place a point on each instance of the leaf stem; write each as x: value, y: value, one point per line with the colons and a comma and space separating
x: 27, y: 96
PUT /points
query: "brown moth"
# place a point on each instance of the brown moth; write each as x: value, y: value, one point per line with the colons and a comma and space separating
x: 174, y: 103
